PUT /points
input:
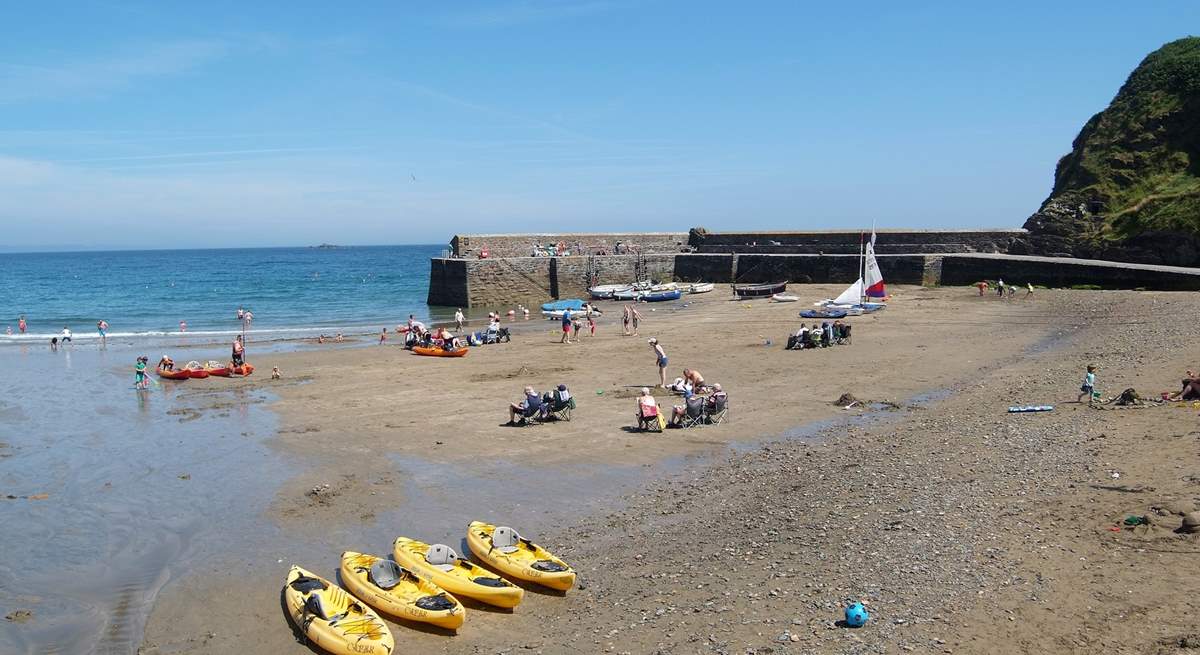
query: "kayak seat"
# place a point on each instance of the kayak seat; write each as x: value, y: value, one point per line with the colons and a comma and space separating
x: 504, y: 539
x: 548, y: 566
x: 489, y: 582
x: 441, y: 557
x: 438, y: 603
x: 328, y: 606
x: 305, y: 584
x: 385, y: 574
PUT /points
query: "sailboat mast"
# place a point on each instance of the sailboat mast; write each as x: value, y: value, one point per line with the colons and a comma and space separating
x: 862, y: 268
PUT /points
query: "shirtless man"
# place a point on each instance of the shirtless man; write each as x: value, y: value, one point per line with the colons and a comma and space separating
x: 693, y: 377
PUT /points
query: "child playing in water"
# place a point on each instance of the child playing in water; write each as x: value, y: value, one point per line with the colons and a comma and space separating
x: 139, y: 374
x: 1088, y: 387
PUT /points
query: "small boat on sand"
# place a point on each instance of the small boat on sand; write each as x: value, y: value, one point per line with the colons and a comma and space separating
x: 439, y: 352
x: 700, y: 287
x: 822, y: 313
x: 784, y: 297
x: 661, y: 296
x: 606, y: 291
x: 759, y: 290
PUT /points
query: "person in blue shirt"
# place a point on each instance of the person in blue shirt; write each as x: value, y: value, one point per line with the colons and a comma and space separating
x: 566, y: 327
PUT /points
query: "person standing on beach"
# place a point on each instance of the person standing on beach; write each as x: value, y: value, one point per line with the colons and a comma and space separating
x: 66, y: 335
x: 1029, y: 292
x: 239, y: 351
x: 626, y: 316
x: 383, y: 336
x: 21, y: 324
x: 591, y: 325
x: 1088, y: 388
x: 1000, y: 288
x: 102, y: 328
x: 183, y: 326
x: 566, y: 327
x: 636, y: 316
x: 660, y: 357
x: 459, y: 319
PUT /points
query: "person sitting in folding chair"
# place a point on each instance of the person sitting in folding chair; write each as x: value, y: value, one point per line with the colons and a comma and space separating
x: 716, y: 405
x: 528, y: 409
x: 648, y: 416
x: 560, y: 402
x: 690, y: 414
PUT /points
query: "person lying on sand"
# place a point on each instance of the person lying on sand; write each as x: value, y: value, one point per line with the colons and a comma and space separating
x: 526, y: 408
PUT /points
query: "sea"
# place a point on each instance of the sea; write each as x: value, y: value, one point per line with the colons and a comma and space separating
x: 108, y: 492
x: 145, y: 296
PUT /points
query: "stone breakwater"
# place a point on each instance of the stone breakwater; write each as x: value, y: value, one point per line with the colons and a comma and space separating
x: 505, y: 281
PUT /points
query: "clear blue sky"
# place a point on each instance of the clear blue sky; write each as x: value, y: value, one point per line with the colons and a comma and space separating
x: 171, y: 124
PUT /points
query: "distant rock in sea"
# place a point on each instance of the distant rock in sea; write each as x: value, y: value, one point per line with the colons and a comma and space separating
x: 1129, y: 190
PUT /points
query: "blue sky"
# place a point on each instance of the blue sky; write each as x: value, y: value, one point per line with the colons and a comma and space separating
x: 131, y: 124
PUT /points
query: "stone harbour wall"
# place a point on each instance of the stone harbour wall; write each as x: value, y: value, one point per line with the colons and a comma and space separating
x: 904, y: 242
x: 578, y: 244
x: 531, y: 281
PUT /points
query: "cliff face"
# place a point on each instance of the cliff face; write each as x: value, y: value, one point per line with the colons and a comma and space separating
x: 1129, y: 190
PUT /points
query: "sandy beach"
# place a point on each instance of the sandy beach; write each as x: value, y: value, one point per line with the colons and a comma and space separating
x: 962, y: 527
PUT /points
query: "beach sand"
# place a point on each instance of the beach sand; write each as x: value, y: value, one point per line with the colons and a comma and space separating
x: 964, y: 528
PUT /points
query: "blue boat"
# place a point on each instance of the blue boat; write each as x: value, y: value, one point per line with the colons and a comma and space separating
x: 660, y: 296
x: 822, y: 313
x: 573, y: 304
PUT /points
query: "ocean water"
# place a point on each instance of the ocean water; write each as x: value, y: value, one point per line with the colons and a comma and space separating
x: 145, y: 294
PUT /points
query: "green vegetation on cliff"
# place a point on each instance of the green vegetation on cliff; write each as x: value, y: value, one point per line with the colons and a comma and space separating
x: 1135, y: 167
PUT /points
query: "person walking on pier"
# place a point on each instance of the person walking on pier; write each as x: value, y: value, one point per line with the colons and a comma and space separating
x: 459, y: 319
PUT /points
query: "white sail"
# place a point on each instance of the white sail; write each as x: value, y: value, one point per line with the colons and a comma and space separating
x: 852, y: 295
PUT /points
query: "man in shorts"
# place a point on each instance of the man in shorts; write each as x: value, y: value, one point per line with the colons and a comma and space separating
x: 102, y: 328
x: 566, y: 327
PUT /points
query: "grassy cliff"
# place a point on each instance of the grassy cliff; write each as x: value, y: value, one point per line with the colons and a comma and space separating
x: 1130, y: 187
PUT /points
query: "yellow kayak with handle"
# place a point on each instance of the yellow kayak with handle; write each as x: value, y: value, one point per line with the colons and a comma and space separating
x: 397, y: 591
x: 439, y: 564
x: 503, y: 549
x: 332, y: 619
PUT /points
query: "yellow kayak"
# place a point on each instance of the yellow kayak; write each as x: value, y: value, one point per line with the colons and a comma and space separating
x: 399, y: 592
x: 443, y: 567
x: 332, y: 619
x: 507, y: 552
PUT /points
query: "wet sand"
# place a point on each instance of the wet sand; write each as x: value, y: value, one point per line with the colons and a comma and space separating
x: 958, y: 523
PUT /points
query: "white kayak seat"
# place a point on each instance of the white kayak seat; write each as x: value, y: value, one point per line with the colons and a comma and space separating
x: 442, y: 557
x: 385, y: 574
x: 505, y: 539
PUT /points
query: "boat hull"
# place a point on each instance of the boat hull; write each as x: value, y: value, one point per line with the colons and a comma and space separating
x: 758, y: 290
